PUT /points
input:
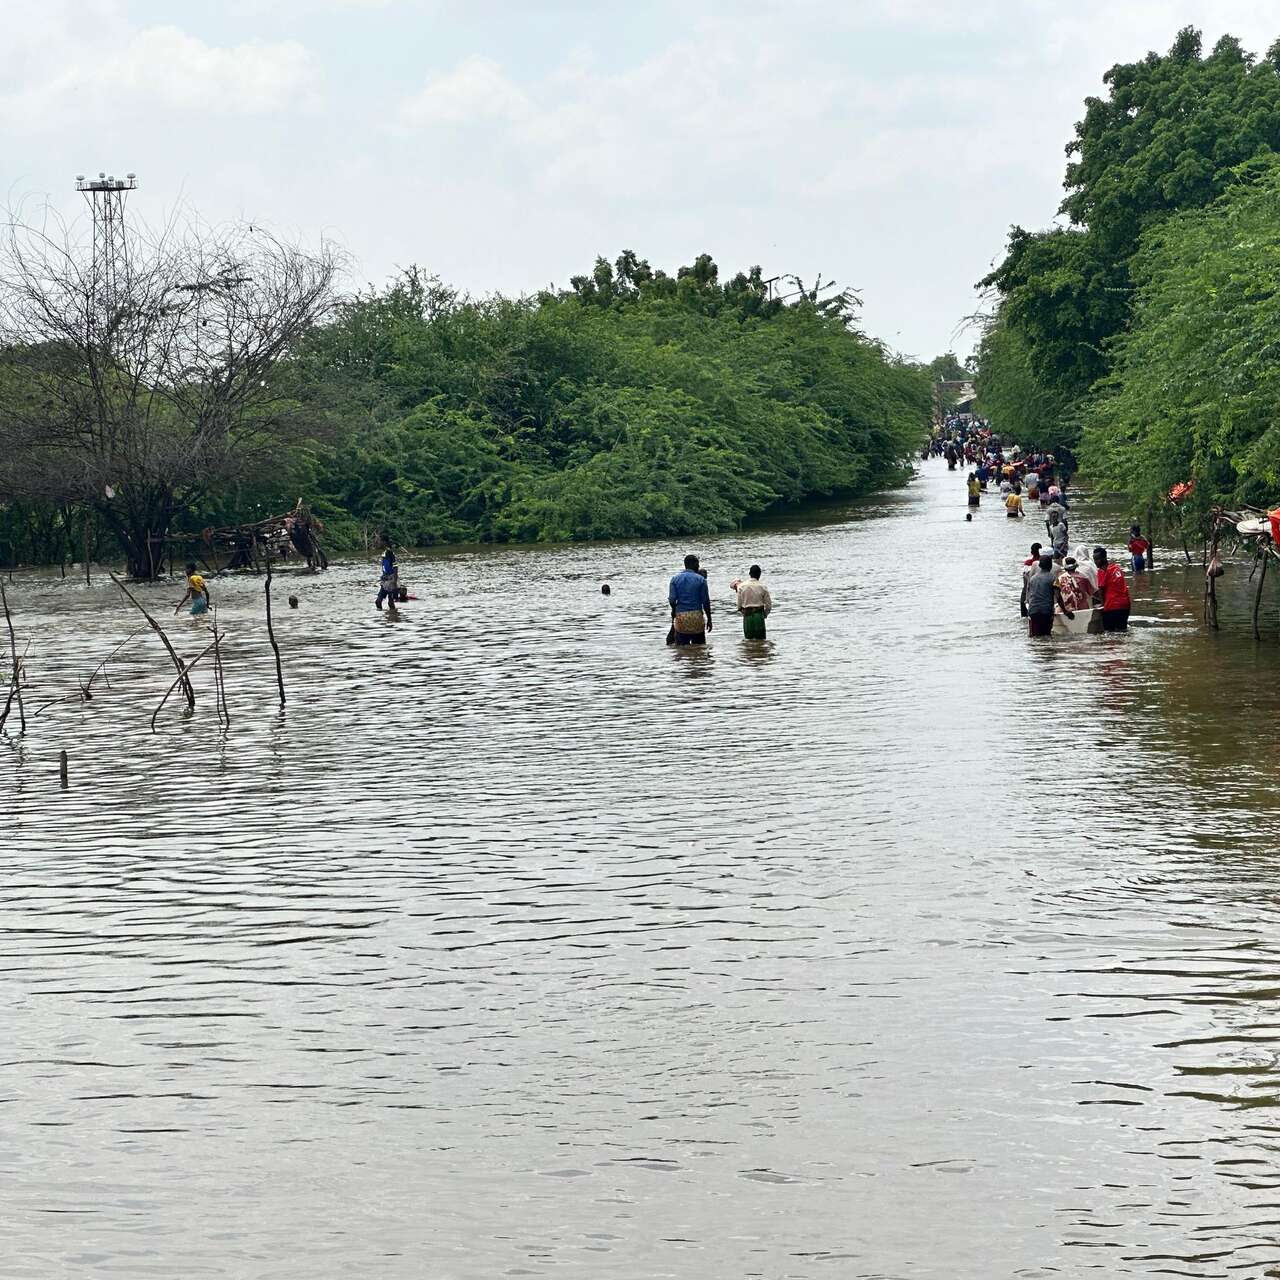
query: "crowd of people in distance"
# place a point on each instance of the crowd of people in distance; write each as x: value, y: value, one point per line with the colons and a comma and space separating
x: 1055, y: 584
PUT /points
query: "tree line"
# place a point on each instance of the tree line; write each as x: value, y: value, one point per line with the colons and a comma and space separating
x: 219, y: 379
x: 1142, y: 334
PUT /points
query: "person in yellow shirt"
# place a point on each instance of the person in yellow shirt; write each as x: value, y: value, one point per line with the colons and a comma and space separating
x: 196, y: 592
x: 975, y: 490
x: 1013, y: 506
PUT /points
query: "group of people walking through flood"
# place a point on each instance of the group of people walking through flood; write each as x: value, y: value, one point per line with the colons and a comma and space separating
x: 1084, y: 591
x: 1060, y: 591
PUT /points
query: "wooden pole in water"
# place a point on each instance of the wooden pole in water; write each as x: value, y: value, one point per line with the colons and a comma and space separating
x: 15, y: 676
x: 1211, y: 583
x: 219, y: 676
x: 188, y: 692
x: 271, y: 635
x: 62, y: 767
x: 1257, y: 595
x: 184, y: 675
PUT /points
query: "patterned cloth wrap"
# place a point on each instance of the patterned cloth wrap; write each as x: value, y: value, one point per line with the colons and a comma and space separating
x: 691, y: 623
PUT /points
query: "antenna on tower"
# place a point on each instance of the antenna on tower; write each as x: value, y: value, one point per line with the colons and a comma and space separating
x: 106, y: 195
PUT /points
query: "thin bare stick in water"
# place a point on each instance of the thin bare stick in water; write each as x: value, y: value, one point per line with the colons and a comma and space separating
x: 188, y: 692
x: 219, y: 677
x: 184, y: 676
x: 86, y: 688
x: 15, y: 677
x: 1265, y: 557
x: 271, y: 635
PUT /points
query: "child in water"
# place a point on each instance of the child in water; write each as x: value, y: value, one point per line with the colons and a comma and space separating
x: 196, y: 592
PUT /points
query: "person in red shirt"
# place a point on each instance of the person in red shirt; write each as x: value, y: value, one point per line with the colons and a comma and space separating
x: 1112, y: 593
x: 1138, y: 548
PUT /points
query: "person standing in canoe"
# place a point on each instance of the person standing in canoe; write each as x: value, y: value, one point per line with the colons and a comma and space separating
x: 196, y: 592
x: 754, y: 603
x: 690, y: 602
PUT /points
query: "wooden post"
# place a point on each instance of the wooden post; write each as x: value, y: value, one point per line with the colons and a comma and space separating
x: 1211, y: 583
x: 271, y: 635
x: 1257, y: 595
x: 219, y: 676
x: 15, y: 676
x: 62, y: 767
x: 1151, y: 538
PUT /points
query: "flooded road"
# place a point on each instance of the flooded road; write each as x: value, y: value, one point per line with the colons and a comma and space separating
x: 522, y: 945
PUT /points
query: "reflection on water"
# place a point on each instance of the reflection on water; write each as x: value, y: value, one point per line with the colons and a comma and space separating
x: 522, y: 944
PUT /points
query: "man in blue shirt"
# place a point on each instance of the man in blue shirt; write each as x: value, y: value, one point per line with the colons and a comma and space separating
x: 690, y: 603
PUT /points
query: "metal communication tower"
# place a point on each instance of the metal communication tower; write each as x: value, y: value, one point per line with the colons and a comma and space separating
x: 106, y: 194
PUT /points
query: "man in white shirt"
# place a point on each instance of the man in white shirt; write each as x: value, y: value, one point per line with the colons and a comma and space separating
x: 754, y: 603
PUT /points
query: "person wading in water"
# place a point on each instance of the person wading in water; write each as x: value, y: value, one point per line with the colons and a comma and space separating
x: 389, y: 581
x: 1112, y: 593
x: 754, y: 603
x: 196, y: 592
x: 690, y: 603
x: 1039, y: 594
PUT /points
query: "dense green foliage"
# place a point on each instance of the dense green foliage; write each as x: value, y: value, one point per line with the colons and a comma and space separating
x: 632, y: 404
x: 1196, y: 385
x: 1169, y: 137
x: 1010, y: 393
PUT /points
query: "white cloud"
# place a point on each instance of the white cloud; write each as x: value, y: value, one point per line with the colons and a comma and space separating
x: 177, y: 70
x: 889, y: 143
x: 64, y: 65
x: 477, y: 89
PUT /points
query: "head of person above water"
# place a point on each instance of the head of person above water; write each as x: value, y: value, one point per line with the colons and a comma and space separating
x: 691, y: 563
x: 1054, y: 517
x: 1100, y: 557
x: 604, y: 590
x: 1035, y: 550
x: 1046, y: 564
x: 190, y: 568
x: 1135, y: 530
x: 754, y: 571
x: 1071, y: 564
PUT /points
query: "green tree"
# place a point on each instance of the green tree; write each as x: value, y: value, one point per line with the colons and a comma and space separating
x: 1196, y: 387
x: 1168, y: 136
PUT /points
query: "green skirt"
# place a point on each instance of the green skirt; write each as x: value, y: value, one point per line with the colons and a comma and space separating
x: 753, y: 624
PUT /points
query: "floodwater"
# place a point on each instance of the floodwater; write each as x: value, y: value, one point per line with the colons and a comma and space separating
x: 522, y: 945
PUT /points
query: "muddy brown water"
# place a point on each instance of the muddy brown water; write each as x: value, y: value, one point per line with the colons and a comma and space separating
x: 522, y: 945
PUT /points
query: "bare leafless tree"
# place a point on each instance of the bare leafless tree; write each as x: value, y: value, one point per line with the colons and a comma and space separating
x: 139, y: 391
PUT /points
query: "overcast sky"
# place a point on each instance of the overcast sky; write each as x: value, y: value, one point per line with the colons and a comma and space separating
x: 503, y: 144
